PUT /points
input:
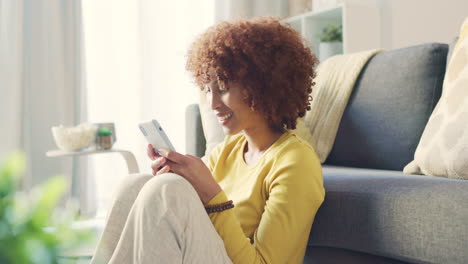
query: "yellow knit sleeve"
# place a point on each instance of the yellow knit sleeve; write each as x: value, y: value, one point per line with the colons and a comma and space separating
x: 296, y: 192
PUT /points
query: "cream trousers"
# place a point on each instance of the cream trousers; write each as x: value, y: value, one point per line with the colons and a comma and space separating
x: 159, y: 219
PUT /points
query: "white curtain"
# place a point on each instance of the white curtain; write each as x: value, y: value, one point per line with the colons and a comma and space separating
x: 167, y: 30
x: 11, y: 13
x: 111, y: 38
x: 233, y: 9
x: 41, y: 73
x: 135, y: 70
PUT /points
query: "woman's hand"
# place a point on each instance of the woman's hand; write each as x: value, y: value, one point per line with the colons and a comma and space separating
x: 158, y: 165
x: 190, y: 167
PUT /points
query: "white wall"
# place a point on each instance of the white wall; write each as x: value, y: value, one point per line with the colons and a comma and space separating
x: 412, y: 22
x: 403, y: 22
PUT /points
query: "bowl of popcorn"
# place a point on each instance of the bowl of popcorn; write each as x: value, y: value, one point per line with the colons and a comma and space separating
x: 74, y: 138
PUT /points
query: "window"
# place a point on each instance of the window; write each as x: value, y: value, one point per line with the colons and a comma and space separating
x: 135, y: 70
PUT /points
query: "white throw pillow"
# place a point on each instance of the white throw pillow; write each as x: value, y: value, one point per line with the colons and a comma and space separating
x: 443, y: 148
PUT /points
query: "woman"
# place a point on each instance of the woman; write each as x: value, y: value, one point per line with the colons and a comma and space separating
x: 257, y: 196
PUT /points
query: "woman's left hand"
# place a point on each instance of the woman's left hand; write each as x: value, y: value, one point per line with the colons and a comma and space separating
x: 195, y: 171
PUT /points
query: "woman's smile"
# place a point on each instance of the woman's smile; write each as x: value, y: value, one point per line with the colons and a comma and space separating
x: 224, y: 118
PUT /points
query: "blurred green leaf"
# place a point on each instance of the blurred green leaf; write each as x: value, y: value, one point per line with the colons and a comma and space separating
x: 29, y: 232
x: 50, y: 193
x: 10, y: 173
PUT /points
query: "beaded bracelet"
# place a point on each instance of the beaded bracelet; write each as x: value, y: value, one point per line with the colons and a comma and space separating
x: 219, y: 207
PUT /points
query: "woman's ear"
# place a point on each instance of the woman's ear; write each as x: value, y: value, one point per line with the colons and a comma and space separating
x: 248, y: 99
x: 246, y: 95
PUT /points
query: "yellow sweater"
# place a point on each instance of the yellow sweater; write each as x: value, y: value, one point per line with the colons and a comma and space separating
x: 275, y: 200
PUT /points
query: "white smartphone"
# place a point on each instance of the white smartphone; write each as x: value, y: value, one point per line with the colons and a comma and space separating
x: 155, y: 135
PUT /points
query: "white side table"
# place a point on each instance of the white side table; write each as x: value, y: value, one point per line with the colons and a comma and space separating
x: 84, y: 254
x: 132, y: 165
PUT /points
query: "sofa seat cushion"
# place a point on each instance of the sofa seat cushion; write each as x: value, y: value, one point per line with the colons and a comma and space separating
x: 328, y: 255
x: 386, y: 213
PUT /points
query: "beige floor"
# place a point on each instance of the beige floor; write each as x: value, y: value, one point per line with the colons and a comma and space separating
x: 74, y: 260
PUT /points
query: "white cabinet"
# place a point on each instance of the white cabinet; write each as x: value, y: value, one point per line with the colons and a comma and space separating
x: 360, y: 23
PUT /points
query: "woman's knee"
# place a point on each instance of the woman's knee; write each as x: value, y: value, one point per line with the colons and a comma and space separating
x: 169, y: 188
x: 132, y: 183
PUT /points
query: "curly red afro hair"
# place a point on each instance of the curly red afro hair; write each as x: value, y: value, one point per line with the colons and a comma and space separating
x: 269, y: 59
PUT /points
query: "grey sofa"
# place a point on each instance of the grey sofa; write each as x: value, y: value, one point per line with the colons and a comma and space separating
x: 372, y: 212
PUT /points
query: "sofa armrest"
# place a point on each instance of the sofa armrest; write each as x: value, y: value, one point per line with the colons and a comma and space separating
x: 195, y: 142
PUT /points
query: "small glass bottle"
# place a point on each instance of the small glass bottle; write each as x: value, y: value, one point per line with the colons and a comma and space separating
x: 104, y: 138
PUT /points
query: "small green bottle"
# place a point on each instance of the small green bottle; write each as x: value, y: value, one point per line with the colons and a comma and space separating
x: 104, y: 138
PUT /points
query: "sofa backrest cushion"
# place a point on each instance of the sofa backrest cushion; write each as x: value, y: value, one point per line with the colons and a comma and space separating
x: 391, y: 102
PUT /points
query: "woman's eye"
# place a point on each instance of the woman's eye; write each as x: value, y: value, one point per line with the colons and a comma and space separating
x: 207, y: 90
x: 221, y: 91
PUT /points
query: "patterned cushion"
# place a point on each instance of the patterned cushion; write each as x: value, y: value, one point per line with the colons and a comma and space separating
x: 443, y: 149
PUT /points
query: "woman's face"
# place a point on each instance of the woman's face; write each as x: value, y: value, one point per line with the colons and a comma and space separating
x: 229, y: 106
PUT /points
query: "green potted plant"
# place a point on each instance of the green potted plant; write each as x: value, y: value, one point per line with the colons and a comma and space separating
x: 32, y: 230
x: 331, y: 41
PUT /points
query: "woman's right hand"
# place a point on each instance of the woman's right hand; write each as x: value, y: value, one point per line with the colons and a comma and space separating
x: 159, y: 163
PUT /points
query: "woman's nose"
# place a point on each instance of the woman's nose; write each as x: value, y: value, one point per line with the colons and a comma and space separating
x: 214, y: 100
